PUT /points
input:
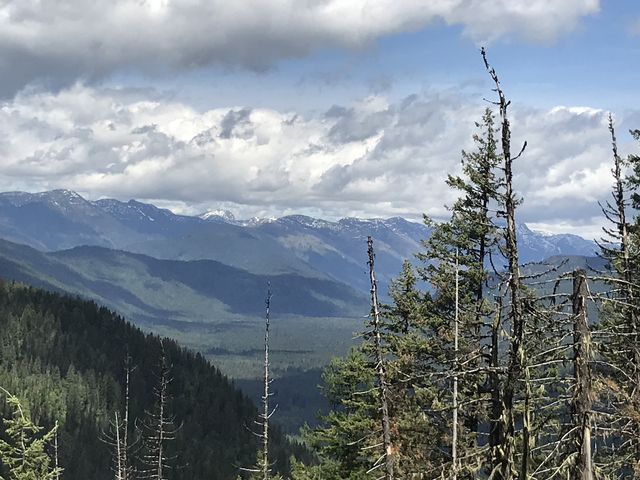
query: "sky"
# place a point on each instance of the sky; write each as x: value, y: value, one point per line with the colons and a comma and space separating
x: 329, y: 108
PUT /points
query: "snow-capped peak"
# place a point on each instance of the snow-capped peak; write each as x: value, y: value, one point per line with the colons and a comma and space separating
x: 225, y: 215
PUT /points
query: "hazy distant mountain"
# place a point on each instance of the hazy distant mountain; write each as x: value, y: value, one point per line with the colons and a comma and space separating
x: 339, y: 248
x: 164, y: 291
x: 62, y: 219
x: 306, y: 246
x: 536, y: 246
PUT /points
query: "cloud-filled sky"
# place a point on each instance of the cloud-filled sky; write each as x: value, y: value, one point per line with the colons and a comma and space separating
x: 324, y: 107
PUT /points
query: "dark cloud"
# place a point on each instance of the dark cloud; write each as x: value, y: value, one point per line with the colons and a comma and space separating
x: 356, y: 125
x: 233, y: 119
x: 53, y: 43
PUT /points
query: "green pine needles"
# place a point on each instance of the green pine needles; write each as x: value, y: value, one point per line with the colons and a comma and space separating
x: 24, y: 452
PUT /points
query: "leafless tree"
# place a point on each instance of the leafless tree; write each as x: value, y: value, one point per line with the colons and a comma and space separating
x: 583, y: 395
x: 387, y: 456
x: 117, y: 436
x: 159, y: 427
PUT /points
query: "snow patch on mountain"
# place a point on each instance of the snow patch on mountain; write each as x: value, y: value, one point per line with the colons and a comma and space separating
x: 219, y: 215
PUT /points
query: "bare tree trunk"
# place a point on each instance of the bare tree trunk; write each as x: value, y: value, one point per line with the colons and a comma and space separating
x: 161, y: 414
x: 125, y: 468
x: 117, y: 437
x: 454, y: 435
x: 496, y: 425
x: 159, y: 426
x: 265, y: 397
x: 583, y: 396
x: 380, y: 366
x: 55, y: 452
x: 118, y: 446
x: 518, y: 360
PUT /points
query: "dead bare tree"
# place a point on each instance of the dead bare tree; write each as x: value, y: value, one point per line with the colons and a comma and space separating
x: 387, y: 456
x: 583, y: 395
x: 266, y: 414
x: 456, y: 334
x: 496, y: 436
x: 56, y: 460
x: 127, y: 469
x: 159, y: 427
x: 117, y: 437
x: 517, y: 366
x: 263, y: 466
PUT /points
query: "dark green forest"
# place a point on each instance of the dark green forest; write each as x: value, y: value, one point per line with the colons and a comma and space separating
x: 64, y: 359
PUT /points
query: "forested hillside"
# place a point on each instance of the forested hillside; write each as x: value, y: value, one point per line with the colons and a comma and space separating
x: 64, y: 359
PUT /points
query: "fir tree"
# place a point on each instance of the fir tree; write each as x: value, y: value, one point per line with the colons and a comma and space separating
x: 24, y: 453
x: 469, y: 239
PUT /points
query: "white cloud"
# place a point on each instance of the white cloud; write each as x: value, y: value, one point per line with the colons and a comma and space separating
x: 537, y: 20
x: 59, y: 41
x: 371, y: 158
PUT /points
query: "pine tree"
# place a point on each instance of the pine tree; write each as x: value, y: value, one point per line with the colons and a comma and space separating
x: 404, y: 329
x: 24, y: 452
x: 347, y: 441
x: 374, y: 428
x: 470, y: 240
x: 633, y: 181
x: 406, y: 301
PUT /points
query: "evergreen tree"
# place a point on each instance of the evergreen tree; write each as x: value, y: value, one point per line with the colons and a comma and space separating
x: 23, y: 454
x: 347, y: 440
x: 470, y: 240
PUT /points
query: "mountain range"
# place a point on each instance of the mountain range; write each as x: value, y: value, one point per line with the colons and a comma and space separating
x: 294, y: 244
